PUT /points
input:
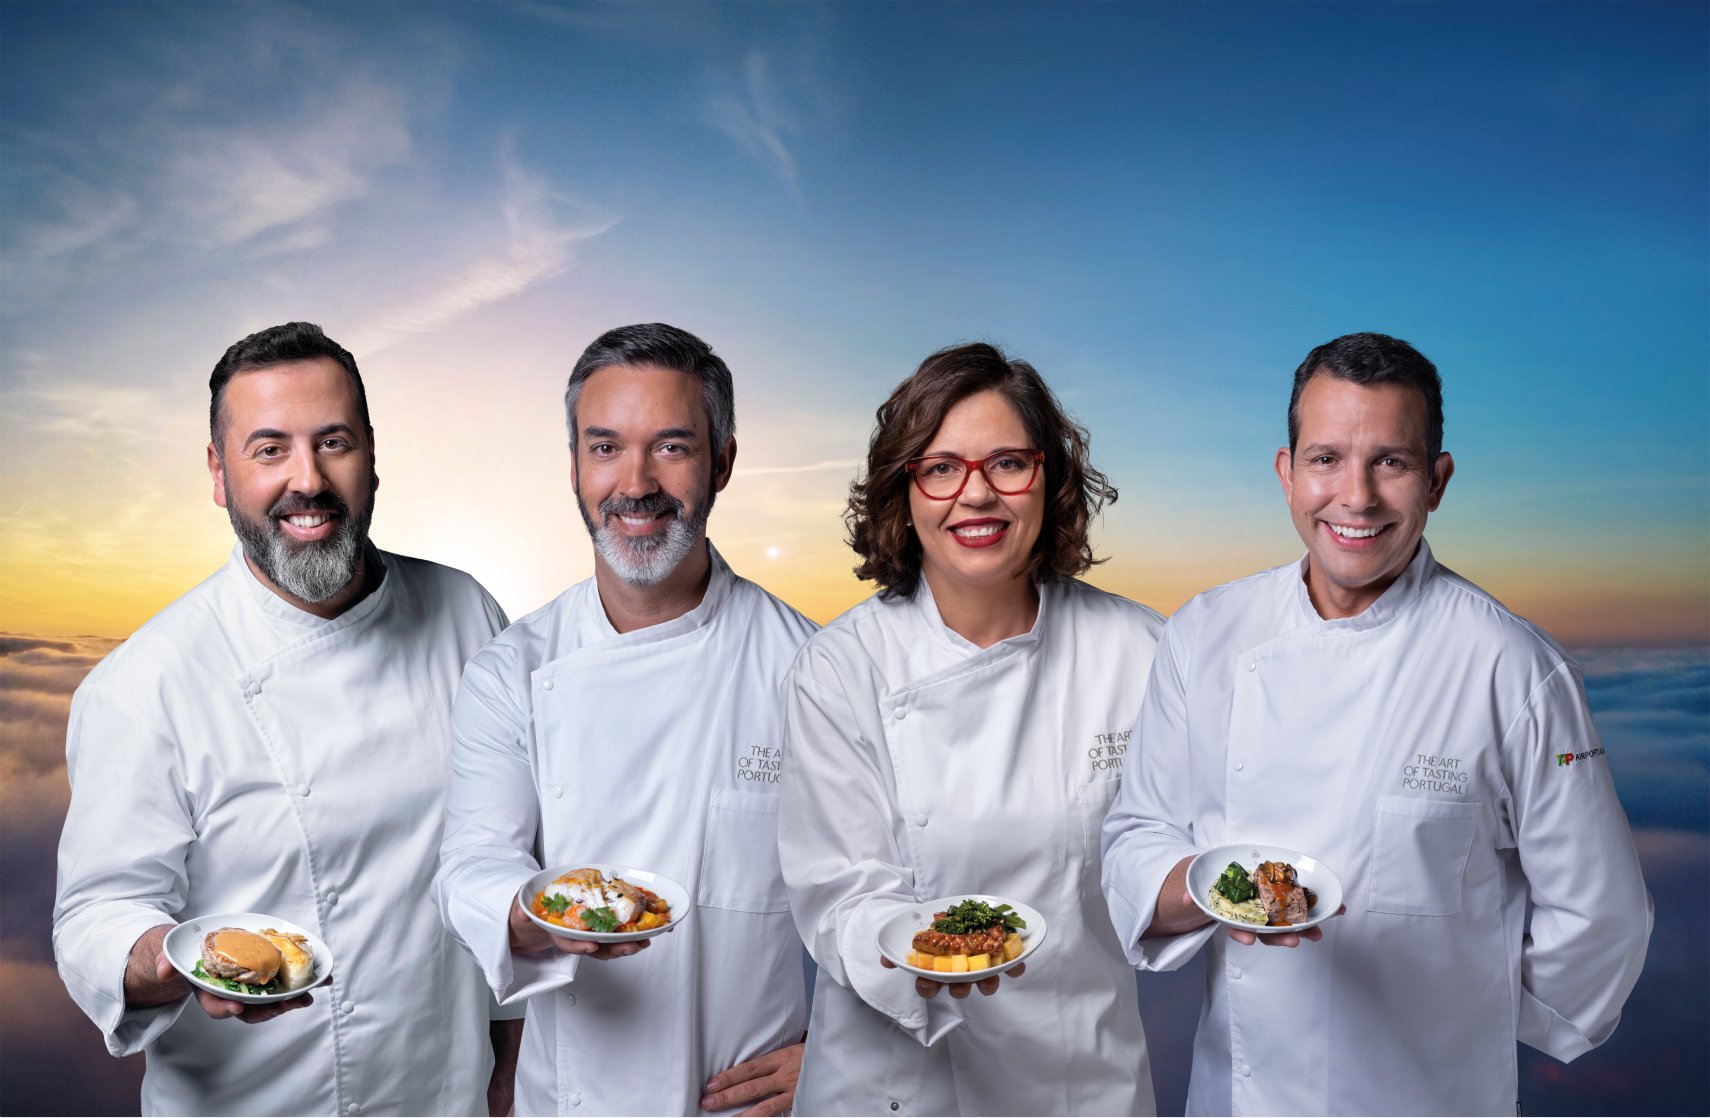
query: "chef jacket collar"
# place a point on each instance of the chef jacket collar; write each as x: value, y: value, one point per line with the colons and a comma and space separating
x: 927, y: 608
x: 1390, y: 604
x: 719, y: 585
x: 278, y: 610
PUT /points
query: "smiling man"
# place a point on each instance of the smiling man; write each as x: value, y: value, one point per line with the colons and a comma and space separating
x: 1370, y: 708
x: 634, y: 721
x: 275, y: 743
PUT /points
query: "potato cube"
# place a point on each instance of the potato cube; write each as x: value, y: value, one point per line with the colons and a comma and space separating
x: 1011, y: 946
x: 979, y: 962
x: 941, y: 963
x: 958, y: 964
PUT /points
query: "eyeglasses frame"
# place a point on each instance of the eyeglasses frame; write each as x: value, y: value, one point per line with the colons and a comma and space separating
x: 969, y: 465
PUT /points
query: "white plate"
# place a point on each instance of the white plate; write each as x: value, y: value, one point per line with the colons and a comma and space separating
x: 184, y: 950
x: 669, y: 891
x: 1203, y: 872
x: 896, y: 935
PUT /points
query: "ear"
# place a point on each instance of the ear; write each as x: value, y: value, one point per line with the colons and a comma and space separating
x: 217, y: 471
x: 372, y: 471
x: 1285, y: 472
x: 1441, y: 471
x: 723, y: 463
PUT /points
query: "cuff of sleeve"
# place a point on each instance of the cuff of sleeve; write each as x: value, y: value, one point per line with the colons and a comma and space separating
x: 94, y: 950
x: 1169, y: 952
x: 889, y: 991
x: 477, y: 909
x: 1132, y: 898
x: 136, y: 1029
x: 1552, y: 1034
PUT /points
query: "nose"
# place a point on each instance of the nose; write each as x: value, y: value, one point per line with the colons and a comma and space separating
x: 307, y: 476
x: 638, y: 479
x: 977, y: 491
x: 1358, y: 492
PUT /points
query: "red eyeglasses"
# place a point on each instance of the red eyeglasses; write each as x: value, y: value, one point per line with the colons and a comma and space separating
x: 942, y: 477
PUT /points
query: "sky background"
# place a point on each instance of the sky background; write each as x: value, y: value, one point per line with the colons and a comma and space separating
x: 1163, y: 206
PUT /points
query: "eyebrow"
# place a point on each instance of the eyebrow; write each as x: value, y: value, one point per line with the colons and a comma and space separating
x: 1379, y: 451
x: 667, y: 433
x: 320, y: 432
x: 964, y: 457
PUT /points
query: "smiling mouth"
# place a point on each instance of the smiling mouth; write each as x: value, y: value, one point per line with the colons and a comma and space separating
x: 979, y: 533
x: 310, y: 520
x: 1350, y: 532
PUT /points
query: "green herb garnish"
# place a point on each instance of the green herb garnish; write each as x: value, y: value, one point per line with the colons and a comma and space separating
x: 231, y: 984
x: 601, y: 919
x: 556, y: 904
x: 976, y: 916
x: 1235, y: 885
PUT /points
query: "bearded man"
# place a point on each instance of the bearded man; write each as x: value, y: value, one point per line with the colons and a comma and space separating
x: 275, y: 742
x: 634, y: 720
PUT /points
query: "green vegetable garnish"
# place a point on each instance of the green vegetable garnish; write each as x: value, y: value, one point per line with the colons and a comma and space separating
x: 231, y: 984
x: 556, y: 904
x: 976, y: 916
x: 600, y: 919
x: 1235, y: 885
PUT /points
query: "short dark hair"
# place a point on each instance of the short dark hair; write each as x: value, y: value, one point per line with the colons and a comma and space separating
x: 666, y: 347
x: 878, y: 514
x: 1368, y: 359
x: 276, y: 345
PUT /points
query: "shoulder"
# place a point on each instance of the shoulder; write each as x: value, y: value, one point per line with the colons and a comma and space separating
x: 189, y: 637
x: 1256, y: 598
x: 1085, y: 602
x: 852, y: 638
x: 1476, y: 618
x: 435, y: 582
x: 771, y: 612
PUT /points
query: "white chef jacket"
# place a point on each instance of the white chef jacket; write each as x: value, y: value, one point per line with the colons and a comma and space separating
x: 240, y: 755
x: 921, y: 766
x: 656, y: 748
x: 1417, y: 749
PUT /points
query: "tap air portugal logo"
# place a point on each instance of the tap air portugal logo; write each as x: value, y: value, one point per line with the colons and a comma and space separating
x: 1563, y: 760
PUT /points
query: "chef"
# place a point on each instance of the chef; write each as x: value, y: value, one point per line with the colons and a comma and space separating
x: 634, y: 720
x: 275, y: 742
x: 964, y: 731
x: 1374, y: 710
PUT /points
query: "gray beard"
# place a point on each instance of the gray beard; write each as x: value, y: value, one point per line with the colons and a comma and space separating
x: 648, y: 560
x: 309, y: 572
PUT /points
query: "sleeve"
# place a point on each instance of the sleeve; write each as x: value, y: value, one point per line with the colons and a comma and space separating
x: 121, y: 859
x: 1589, y: 914
x: 492, y: 821
x: 1149, y: 828
x: 843, y: 870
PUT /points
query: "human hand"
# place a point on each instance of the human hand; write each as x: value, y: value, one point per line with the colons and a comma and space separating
x: 220, y: 1008
x: 1283, y: 939
x: 927, y: 988
x: 770, y: 1079
x: 529, y: 938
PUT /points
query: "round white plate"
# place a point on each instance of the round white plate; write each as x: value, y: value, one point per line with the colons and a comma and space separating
x: 669, y: 891
x: 1203, y: 872
x: 896, y: 935
x: 184, y: 950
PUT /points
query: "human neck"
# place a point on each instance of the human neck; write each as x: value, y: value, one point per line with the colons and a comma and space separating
x: 629, y: 607
x: 361, y: 584
x: 984, y: 615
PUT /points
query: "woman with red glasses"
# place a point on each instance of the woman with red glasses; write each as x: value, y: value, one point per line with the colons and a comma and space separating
x: 963, y: 731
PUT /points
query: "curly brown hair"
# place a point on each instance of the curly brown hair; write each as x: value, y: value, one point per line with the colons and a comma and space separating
x: 878, y: 515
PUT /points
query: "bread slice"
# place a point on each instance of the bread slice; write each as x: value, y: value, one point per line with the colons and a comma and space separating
x: 296, y: 958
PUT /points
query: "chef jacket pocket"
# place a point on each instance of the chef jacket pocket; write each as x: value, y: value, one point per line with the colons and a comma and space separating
x: 739, y: 863
x: 1095, y: 801
x: 1419, y: 855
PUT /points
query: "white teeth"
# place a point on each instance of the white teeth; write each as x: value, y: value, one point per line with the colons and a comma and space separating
x: 308, y: 521
x: 978, y: 532
x: 1355, y: 533
x: 636, y: 522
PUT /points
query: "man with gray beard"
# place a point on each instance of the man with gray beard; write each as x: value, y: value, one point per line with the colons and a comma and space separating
x: 634, y: 721
x: 271, y: 750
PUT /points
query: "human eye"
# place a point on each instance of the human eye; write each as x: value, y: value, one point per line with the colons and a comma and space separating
x: 335, y: 444
x: 1007, y: 463
x: 602, y: 449
x: 673, y: 450
x: 1391, y: 462
x: 269, y: 452
x: 940, y: 467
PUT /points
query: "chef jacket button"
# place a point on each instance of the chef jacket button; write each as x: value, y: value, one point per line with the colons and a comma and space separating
x: 1252, y: 665
x: 558, y: 791
x: 569, y: 999
x: 348, y: 1007
x: 895, y: 1105
x: 1234, y: 972
x: 1239, y: 765
x: 1245, y: 1070
x: 902, y: 712
x: 303, y: 788
x: 920, y: 820
x: 332, y: 896
x: 575, y: 1100
x: 353, y: 1109
x: 547, y: 685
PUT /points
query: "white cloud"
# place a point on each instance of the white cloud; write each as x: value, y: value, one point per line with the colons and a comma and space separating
x: 537, y: 246
x: 756, y: 120
x: 848, y: 464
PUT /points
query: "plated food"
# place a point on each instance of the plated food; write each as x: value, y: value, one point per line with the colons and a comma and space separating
x: 1263, y: 889
x: 963, y: 938
x: 603, y: 902
x: 248, y: 957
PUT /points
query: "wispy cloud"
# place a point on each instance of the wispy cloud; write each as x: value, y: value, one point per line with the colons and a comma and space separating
x: 848, y: 464
x: 538, y: 244
x: 757, y: 119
